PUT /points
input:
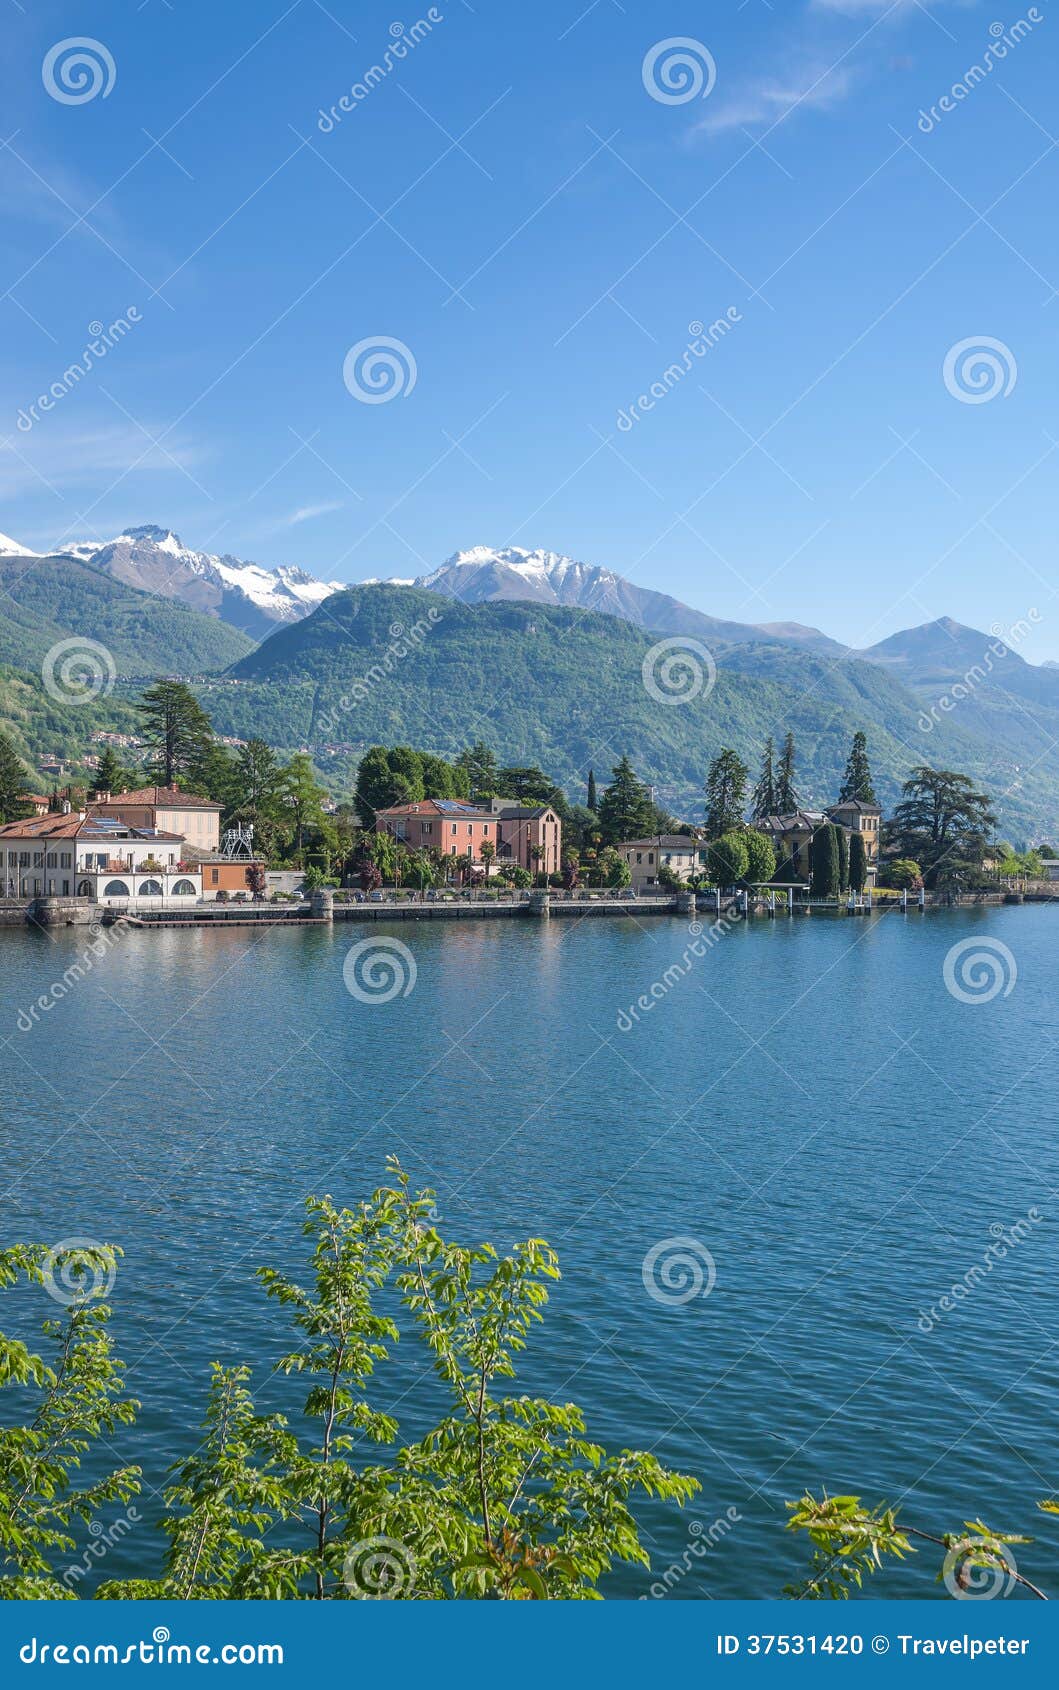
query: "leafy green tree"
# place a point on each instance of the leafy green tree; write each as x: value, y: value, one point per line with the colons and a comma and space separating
x: 256, y: 792
x: 505, y: 1496
x: 761, y: 857
x: 13, y: 778
x: 842, y: 840
x: 858, y: 862
x: 763, y: 802
x: 903, y: 874
x: 943, y: 823
x: 825, y: 861
x: 851, y: 1542
x: 612, y: 870
x: 111, y: 775
x: 212, y: 772
x: 592, y: 801
x: 487, y: 852
x: 787, y: 800
x: 626, y: 810
x: 176, y: 728
x: 857, y: 782
x: 72, y: 1403
x: 374, y: 789
x: 728, y: 858
x: 302, y: 798
x: 726, y: 785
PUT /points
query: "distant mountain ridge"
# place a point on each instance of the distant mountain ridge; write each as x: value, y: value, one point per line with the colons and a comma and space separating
x: 245, y: 595
x: 482, y: 574
x: 565, y: 688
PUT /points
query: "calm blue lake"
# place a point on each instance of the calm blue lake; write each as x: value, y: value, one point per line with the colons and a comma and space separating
x: 809, y: 1103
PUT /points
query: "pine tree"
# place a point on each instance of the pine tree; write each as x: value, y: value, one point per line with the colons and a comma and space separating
x: 856, y: 783
x: 764, y: 800
x: 626, y: 810
x: 176, y: 728
x: 111, y: 775
x: 858, y: 862
x: 482, y: 772
x: 725, y: 793
x: 786, y: 791
x: 593, y: 801
x: 825, y: 861
x: 12, y: 782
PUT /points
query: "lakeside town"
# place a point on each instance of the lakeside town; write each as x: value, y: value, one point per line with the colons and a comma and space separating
x: 219, y: 822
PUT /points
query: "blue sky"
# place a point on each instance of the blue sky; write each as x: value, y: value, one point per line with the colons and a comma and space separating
x: 512, y: 204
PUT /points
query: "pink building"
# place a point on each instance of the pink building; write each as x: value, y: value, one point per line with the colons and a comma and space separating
x: 456, y: 828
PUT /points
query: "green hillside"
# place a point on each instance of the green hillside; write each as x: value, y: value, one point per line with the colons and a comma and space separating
x: 563, y: 688
x: 36, y: 725
x: 45, y: 600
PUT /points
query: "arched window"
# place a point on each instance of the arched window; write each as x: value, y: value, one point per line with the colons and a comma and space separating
x: 150, y: 889
x: 184, y: 889
x: 84, y: 889
x: 115, y: 889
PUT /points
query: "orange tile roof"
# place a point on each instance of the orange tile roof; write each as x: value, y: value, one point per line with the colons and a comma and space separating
x: 161, y: 797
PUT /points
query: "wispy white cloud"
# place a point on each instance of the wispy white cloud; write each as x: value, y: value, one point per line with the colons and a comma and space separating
x: 51, y: 458
x: 769, y: 99
x: 306, y: 513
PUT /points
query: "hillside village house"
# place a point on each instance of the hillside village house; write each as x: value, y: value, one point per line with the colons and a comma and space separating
x: 792, y: 836
x: 675, y: 851
x: 77, y: 855
x: 198, y: 820
x: 458, y: 828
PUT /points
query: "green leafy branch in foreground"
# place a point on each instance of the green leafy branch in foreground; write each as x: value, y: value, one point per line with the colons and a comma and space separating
x: 851, y: 1542
x: 77, y: 1400
x: 505, y: 1497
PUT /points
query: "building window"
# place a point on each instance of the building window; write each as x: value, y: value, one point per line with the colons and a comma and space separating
x: 115, y: 889
x: 150, y: 889
x: 215, y: 875
x: 184, y: 889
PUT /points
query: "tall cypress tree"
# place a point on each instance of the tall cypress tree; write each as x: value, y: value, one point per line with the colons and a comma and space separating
x: 858, y: 862
x: 786, y: 791
x: 764, y: 800
x: 825, y: 861
x: 856, y: 782
x: 842, y: 839
x: 593, y: 801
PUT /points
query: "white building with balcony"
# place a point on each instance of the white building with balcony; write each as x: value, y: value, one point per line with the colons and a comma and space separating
x: 79, y: 856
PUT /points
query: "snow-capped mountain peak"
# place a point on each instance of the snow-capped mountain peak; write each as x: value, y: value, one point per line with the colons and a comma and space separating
x: 11, y: 548
x: 248, y: 595
x: 481, y: 573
